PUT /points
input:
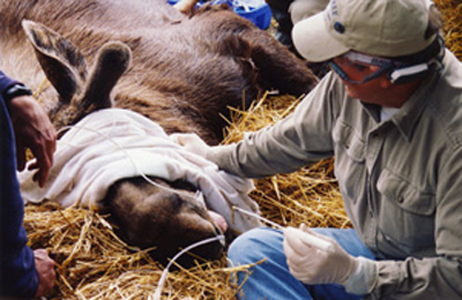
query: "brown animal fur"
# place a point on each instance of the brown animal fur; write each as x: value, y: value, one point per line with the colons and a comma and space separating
x: 185, y: 71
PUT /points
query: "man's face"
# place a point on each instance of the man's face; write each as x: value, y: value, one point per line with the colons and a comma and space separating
x: 370, y: 91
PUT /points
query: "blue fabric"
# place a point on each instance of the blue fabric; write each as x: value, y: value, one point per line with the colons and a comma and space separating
x: 272, y: 279
x: 6, y: 82
x: 18, y: 277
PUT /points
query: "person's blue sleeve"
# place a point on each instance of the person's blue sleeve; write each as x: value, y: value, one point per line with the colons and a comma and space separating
x: 18, y: 276
x: 6, y: 82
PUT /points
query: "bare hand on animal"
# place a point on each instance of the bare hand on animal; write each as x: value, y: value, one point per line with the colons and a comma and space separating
x: 33, y: 130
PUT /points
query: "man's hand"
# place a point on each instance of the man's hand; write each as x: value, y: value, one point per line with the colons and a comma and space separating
x: 46, y: 273
x: 33, y: 130
x: 191, y: 142
x: 312, y: 265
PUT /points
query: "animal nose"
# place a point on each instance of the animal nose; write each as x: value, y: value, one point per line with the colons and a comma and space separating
x: 218, y: 220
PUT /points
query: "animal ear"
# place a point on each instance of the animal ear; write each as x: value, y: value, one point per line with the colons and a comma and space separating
x: 113, y: 60
x: 63, y: 64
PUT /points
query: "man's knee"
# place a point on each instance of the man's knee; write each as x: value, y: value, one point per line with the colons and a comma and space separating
x: 254, y: 245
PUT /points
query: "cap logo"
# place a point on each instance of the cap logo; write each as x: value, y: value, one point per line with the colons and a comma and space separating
x: 331, y: 13
x: 331, y: 10
x: 334, y: 7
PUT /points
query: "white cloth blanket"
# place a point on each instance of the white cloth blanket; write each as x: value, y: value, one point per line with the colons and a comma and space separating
x: 113, y: 144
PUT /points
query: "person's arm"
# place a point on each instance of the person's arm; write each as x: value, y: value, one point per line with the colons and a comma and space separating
x: 6, y: 83
x: 10, y: 88
x: 18, y: 277
x: 23, y: 272
x: 32, y: 127
x: 299, y: 139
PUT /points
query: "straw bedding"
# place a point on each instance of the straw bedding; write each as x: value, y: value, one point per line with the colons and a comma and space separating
x: 93, y: 263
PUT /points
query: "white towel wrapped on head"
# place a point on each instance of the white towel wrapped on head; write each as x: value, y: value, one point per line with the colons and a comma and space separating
x: 113, y: 144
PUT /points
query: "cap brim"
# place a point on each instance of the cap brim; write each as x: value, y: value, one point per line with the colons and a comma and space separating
x: 313, y: 40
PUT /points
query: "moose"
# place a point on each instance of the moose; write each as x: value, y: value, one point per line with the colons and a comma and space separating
x: 180, y: 68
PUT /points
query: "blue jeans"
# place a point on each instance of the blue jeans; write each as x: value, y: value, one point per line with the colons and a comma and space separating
x: 272, y: 279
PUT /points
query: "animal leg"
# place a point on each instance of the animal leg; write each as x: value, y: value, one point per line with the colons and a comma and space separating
x: 278, y: 67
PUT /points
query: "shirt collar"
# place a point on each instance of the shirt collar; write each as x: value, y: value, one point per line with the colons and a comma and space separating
x: 407, y: 117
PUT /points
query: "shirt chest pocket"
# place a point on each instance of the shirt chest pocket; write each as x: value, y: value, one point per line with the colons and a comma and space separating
x: 405, y: 213
x: 349, y: 160
x: 349, y: 142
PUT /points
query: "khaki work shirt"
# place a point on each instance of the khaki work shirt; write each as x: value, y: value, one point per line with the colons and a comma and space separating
x: 401, y: 179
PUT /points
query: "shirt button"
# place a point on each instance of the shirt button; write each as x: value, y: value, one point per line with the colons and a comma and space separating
x: 401, y: 199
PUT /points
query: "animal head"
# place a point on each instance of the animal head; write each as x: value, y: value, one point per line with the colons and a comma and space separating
x: 166, y: 215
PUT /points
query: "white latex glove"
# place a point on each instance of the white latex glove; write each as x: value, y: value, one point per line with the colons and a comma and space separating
x: 191, y: 142
x: 313, y: 265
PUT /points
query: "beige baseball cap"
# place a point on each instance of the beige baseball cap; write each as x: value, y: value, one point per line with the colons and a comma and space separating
x: 387, y: 28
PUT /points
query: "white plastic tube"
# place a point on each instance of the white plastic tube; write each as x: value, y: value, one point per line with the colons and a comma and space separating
x: 307, y: 238
x: 157, y: 294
